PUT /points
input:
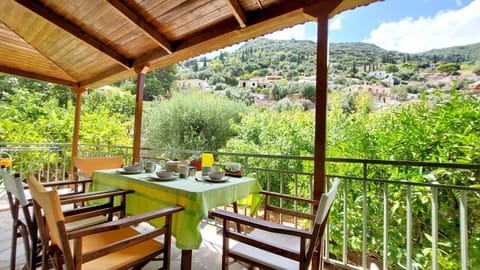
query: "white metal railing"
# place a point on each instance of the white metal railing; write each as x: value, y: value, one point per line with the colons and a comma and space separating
x: 373, y: 206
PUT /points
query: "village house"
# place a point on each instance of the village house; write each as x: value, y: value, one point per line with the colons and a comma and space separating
x: 262, y: 82
x: 193, y: 83
x: 381, y: 93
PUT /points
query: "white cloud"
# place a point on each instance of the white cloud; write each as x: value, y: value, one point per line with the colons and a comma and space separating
x: 297, y: 32
x: 335, y: 24
x: 445, y: 29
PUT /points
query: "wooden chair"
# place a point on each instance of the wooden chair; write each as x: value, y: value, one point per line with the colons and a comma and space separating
x: 270, y: 245
x: 85, y: 166
x: 24, y: 225
x: 112, y: 245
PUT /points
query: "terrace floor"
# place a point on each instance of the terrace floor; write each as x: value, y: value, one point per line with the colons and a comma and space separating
x: 207, y: 257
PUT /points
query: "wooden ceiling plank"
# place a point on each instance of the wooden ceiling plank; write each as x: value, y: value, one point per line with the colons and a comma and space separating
x: 237, y: 12
x: 185, y: 29
x: 57, y: 20
x: 216, y: 37
x: 142, y: 24
x: 259, y: 23
x: 151, y: 9
x: 36, y: 76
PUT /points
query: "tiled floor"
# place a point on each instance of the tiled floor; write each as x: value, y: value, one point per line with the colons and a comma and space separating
x: 207, y: 257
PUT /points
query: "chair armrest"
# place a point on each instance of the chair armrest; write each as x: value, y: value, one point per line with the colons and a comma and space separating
x: 82, y: 197
x: 70, y: 182
x: 125, y: 222
x: 63, y: 183
x: 260, y: 224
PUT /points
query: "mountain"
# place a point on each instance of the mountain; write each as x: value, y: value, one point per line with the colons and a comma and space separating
x: 466, y: 53
x: 271, y: 53
x: 293, y: 59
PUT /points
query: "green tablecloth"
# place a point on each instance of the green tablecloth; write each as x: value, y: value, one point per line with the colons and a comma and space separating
x: 197, y: 198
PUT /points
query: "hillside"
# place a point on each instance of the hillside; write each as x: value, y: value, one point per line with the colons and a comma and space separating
x: 350, y: 63
x: 290, y: 58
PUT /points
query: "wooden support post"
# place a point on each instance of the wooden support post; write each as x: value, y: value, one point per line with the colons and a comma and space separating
x: 320, y: 119
x: 137, y: 129
x: 76, y: 124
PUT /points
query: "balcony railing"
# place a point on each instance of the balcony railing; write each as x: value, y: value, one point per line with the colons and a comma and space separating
x: 394, y: 214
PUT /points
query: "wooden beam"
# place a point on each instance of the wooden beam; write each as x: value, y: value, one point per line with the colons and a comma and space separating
x: 259, y: 4
x: 36, y: 76
x: 36, y: 7
x: 142, y: 24
x: 237, y: 12
x: 320, y: 8
x: 226, y: 33
x: 319, y: 172
x: 321, y: 107
x: 76, y: 124
x: 137, y: 129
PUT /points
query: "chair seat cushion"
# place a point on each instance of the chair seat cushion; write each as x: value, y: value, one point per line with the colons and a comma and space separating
x: 265, y: 257
x: 119, y: 259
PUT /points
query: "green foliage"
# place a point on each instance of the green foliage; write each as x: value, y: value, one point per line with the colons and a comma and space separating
x: 195, y: 121
x: 391, y: 68
x: 443, y: 128
x: 28, y: 117
x: 107, y: 117
x: 308, y: 91
x: 283, y: 133
x: 286, y: 104
x: 476, y: 69
x: 449, y: 68
x: 240, y: 95
x: 37, y: 117
x: 159, y: 82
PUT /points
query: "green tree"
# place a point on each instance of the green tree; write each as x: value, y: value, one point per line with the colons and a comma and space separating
x: 198, y: 120
x: 159, y: 82
x: 309, y: 91
x: 448, y: 68
x: 391, y: 68
x: 476, y: 69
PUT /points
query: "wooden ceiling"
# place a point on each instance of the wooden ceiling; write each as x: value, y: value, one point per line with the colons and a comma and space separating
x: 91, y: 43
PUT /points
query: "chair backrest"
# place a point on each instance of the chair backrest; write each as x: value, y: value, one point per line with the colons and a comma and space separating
x: 321, y: 217
x: 87, y: 165
x: 14, y: 185
x: 54, y: 220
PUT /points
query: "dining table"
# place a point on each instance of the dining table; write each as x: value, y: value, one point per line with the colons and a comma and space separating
x: 195, y: 193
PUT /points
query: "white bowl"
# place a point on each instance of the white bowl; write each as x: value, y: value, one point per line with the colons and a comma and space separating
x: 164, y: 174
x: 131, y: 168
x: 216, y: 175
x: 233, y: 167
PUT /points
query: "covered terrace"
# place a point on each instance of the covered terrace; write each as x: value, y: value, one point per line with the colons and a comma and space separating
x: 89, y: 44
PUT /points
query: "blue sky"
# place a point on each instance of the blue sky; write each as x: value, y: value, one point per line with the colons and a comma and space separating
x: 402, y: 25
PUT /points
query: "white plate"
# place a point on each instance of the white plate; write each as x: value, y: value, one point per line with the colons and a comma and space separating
x: 223, y: 179
x: 121, y: 170
x: 156, y: 177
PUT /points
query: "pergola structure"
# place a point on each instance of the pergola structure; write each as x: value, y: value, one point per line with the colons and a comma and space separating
x: 90, y: 43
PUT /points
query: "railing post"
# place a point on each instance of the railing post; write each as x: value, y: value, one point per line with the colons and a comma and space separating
x: 434, y: 228
x: 463, y: 229
x: 364, y: 216
x: 409, y: 227
x: 345, y: 222
x: 385, y: 225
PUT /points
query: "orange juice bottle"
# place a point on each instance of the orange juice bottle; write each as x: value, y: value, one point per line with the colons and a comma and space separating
x: 207, y: 159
